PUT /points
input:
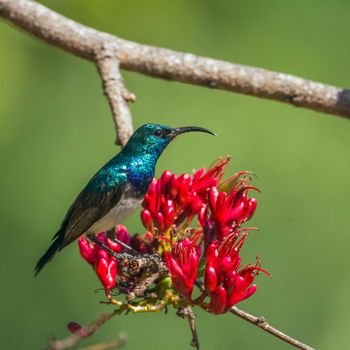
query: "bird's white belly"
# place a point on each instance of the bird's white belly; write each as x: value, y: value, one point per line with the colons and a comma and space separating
x: 116, y: 215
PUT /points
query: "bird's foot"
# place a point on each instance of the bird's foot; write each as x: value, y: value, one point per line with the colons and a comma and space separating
x: 130, y: 250
x: 118, y: 256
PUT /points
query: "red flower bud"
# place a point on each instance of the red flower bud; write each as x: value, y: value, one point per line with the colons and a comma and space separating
x: 184, y: 187
x: 252, y: 204
x: 169, y: 213
x: 146, y: 219
x: 86, y: 250
x: 113, y: 245
x: 122, y: 234
x: 164, y: 179
x: 107, y: 272
x: 211, y: 279
x: 76, y: 328
x: 218, y: 301
x: 173, y: 186
x: 159, y: 221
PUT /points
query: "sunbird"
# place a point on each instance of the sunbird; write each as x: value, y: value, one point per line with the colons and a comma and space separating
x: 117, y: 189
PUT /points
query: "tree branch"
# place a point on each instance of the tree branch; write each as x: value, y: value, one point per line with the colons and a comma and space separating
x: 262, y: 323
x: 86, y: 43
x: 116, y: 93
x: 84, y: 332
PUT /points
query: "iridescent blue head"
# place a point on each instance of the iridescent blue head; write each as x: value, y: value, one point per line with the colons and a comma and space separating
x: 153, y: 138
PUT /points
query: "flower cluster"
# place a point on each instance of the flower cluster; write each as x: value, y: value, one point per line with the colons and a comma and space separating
x: 194, y: 225
x: 173, y: 199
x: 104, y: 264
x: 224, y: 281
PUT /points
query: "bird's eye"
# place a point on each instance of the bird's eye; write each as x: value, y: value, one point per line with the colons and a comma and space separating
x: 158, y: 133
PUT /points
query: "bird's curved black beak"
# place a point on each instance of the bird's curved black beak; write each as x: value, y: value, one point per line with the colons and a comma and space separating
x: 177, y: 131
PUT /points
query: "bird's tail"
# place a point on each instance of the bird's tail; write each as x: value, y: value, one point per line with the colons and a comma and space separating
x: 50, y: 253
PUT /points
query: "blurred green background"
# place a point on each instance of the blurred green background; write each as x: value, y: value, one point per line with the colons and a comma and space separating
x: 56, y: 131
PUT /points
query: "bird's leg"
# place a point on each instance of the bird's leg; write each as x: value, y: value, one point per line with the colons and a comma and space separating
x: 132, y: 251
x: 111, y: 236
x: 118, y: 256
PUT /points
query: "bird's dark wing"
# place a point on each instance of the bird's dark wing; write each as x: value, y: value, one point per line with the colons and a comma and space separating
x: 87, y: 209
x: 90, y: 206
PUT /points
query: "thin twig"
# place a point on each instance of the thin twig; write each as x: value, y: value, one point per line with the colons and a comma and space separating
x: 115, y: 344
x: 162, y: 63
x: 88, y: 330
x: 262, y: 323
x: 191, y: 317
x: 117, y: 94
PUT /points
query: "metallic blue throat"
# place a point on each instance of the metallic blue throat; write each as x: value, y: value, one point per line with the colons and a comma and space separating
x: 140, y: 172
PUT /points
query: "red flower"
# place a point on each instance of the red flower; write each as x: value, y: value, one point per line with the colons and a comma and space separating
x: 104, y: 264
x: 172, y: 199
x: 224, y: 282
x: 182, y: 263
x: 227, y: 211
x: 203, y: 180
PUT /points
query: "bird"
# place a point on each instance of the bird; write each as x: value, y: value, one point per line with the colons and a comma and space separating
x: 117, y: 189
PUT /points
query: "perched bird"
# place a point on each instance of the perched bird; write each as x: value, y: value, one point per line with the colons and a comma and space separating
x: 117, y: 189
